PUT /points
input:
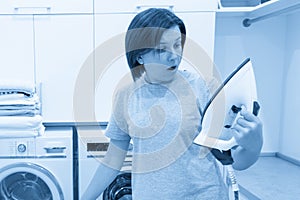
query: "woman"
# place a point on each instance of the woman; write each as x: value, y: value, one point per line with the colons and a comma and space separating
x: 161, y: 113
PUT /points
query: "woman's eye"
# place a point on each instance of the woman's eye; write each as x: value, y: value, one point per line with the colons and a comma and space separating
x: 162, y: 49
x: 177, y: 45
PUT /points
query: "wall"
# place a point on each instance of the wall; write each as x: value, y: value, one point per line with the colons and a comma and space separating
x: 290, y: 137
x: 264, y: 43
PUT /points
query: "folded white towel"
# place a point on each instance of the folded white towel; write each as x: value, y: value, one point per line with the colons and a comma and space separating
x: 22, y: 133
x: 18, y: 102
x: 22, y: 107
x: 17, y: 86
x: 19, y: 112
x: 20, y: 122
x: 18, y: 96
x: 15, y: 99
x: 12, y: 96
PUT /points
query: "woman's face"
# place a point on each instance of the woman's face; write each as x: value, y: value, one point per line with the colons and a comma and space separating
x: 161, y: 63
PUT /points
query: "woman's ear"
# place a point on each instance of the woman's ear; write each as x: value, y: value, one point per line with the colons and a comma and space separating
x: 140, y: 60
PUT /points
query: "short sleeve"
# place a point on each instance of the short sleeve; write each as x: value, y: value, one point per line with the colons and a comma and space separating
x: 117, y: 125
x: 113, y: 131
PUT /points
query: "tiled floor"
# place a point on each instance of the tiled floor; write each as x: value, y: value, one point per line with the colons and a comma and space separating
x: 270, y: 178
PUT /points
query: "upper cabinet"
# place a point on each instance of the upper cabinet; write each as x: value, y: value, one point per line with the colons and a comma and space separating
x: 111, y: 68
x: 63, y: 46
x: 16, y: 49
x: 133, y: 6
x: 45, y: 6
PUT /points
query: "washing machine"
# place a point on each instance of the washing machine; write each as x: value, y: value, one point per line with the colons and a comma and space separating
x: 37, y: 168
x: 92, y: 147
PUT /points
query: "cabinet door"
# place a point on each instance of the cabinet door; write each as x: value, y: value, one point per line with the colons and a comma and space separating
x: 199, y: 49
x: 45, y: 6
x: 64, y: 44
x: 110, y: 61
x: 16, y: 49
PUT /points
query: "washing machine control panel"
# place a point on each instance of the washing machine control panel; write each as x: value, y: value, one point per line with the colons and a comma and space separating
x: 17, y: 147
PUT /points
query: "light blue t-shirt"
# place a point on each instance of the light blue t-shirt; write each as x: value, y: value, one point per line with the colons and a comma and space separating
x: 162, y: 120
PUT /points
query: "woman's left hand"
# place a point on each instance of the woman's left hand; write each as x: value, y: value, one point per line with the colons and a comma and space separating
x: 248, y: 131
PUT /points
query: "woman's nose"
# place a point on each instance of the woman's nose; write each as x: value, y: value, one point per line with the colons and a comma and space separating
x: 173, y: 55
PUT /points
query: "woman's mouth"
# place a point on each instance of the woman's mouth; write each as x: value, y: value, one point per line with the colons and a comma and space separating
x: 172, y: 68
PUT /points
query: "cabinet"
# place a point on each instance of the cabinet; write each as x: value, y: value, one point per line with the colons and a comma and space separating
x: 16, y: 49
x: 62, y: 44
x: 47, y: 42
x: 199, y: 50
x: 110, y: 61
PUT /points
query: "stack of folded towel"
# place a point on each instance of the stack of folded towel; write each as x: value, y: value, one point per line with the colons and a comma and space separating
x: 19, y: 110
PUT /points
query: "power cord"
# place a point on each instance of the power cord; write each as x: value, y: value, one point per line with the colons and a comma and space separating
x: 226, y: 159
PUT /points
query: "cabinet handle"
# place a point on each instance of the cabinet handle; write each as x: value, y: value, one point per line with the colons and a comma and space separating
x: 144, y: 7
x: 32, y: 10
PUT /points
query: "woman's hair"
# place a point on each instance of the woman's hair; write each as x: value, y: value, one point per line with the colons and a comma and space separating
x: 144, y: 34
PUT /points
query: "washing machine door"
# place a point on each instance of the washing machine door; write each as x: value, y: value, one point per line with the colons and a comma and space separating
x: 28, y: 181
x: 119, y: 189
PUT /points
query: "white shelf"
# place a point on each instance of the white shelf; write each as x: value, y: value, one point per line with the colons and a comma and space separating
x: 259, y: 10
x: 273, y: 6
